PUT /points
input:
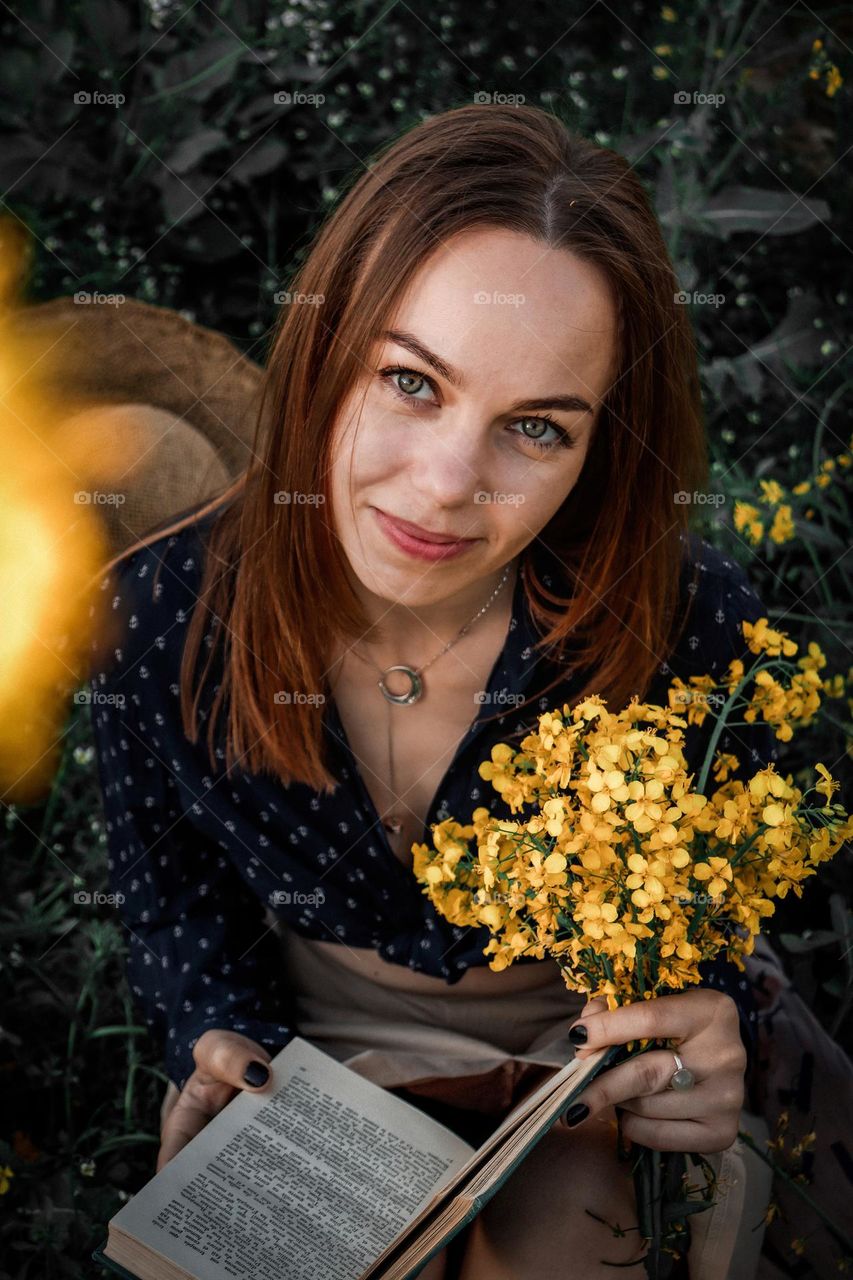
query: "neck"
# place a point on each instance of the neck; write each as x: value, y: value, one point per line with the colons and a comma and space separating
x: 414, y: 634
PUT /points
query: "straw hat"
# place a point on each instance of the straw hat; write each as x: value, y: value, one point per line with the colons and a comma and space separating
x: 168, y: 405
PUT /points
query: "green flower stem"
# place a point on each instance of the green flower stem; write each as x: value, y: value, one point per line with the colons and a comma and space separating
x: 839, y: 1235
x: 722, y: 718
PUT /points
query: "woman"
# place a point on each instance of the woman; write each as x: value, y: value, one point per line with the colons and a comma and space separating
x: 467, y: 503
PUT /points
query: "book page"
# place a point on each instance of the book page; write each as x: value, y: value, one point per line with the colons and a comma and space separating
x: 495, y: 1160
x: 311, y: 1180
x: 504, y: 1147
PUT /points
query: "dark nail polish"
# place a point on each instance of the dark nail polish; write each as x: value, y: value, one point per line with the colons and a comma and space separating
x: 256, y: 1073
x: 575, y: 1114
x: 578, y: 1034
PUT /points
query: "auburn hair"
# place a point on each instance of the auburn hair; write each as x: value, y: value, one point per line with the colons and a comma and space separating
x: 274, y: 580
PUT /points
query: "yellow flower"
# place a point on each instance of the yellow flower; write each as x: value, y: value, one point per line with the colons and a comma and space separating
x: 771, y: 492
x: 782, y: 528
x: 605, y: 788
x: 762, y: 638
x: 828, y: 786
x: 724, y: 764
x: 746, y: 520
x: 834, y: 81
x: 6, y: 1175
x: 644, y: 811
x: 717, y: 872
x: 668, y: 14
x: 834, y: 687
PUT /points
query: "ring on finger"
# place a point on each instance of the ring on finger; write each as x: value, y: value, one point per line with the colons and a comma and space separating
x: 682, y: 1077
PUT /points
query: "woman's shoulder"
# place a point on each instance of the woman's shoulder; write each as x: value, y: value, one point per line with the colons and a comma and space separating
x: 713, y: 571
x: 717, y: 595
x: 148, y: 595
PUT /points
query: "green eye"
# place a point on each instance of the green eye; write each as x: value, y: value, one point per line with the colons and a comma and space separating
x: 562, y: 440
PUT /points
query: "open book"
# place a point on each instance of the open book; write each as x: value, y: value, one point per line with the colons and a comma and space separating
x: 324, y: 1176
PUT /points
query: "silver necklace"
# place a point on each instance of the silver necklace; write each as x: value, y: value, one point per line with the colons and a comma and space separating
x: 416, y: 691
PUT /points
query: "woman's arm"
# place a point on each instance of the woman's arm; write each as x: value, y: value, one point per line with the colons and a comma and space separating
x: 200, y: 952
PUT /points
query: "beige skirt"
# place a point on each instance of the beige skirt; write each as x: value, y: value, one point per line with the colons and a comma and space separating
x: 477, y: 1051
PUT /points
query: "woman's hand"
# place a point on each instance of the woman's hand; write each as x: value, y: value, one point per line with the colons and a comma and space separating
x: 704, y: 1026
x: 221, y: 1058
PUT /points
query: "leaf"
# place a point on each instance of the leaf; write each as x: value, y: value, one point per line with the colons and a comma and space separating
x: 263, y: 158
x: 842, y: 919
x: 198, y: 72
x: 744, y: 371
x: 188, y: 153
x: 794, y: 342
x: 801, y: 943
x: 100, y: 1032
x: 758, y: 210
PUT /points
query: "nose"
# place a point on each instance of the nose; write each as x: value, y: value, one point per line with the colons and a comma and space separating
x: 447, y: 469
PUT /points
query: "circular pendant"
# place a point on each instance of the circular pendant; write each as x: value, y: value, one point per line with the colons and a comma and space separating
x: 415, y: 686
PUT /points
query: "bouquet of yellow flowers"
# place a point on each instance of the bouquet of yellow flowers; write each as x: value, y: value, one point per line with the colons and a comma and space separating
x: 621, y: 867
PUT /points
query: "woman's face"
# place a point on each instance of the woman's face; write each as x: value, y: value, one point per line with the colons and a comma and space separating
x: 479, y: 409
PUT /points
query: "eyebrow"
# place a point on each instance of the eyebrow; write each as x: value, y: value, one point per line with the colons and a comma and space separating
x: 568, y: 403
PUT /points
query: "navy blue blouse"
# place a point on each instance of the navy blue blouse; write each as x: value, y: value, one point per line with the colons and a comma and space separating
x: 199, y: 859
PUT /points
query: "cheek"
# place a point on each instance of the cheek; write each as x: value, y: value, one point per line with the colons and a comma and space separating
x: 355, y: 461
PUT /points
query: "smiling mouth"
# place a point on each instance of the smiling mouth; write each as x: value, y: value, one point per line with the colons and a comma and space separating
x: 424, y: 535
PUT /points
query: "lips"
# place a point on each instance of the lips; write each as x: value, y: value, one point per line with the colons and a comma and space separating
x: 425, y: 535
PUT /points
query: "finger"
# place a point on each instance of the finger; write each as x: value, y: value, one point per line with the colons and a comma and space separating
x: 597, y: 1005
x: 716, y: 1093
x: 703, y: 1137
x: 186, y: 1119
x: 699, y: 1103
x: 645, y: 1073
x: 679, y: 1017
x: 229, y: 1058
